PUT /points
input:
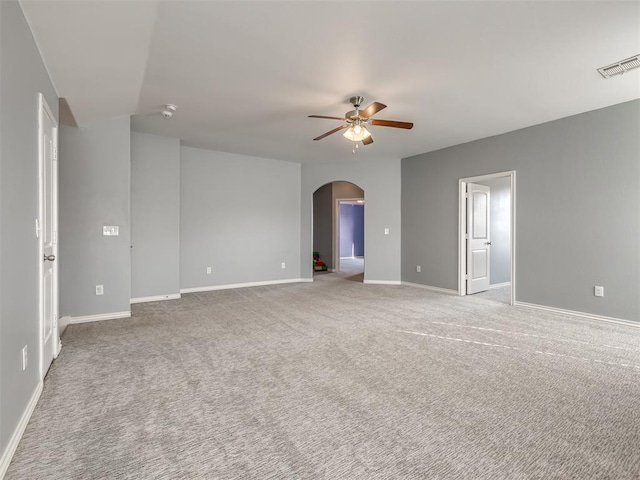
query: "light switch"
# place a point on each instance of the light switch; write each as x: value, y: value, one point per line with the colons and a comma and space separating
x: 110, y: 231
x: 386, y: 231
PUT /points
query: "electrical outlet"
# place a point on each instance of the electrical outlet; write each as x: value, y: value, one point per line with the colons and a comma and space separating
x: 598, y: 291
x: 99, y: 290
x: 386, y: 231
x: 208, y: 270
x: 283, y: 265
x: 25, y: 358
x: 418, y: 268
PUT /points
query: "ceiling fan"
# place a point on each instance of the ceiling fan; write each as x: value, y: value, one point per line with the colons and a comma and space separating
x: 356, y: 122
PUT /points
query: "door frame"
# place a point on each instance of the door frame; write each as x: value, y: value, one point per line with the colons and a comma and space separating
x: 336, y: 231
x: 43, y: 109
x: 462, y: 228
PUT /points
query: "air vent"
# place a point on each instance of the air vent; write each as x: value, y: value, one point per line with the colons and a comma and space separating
x: 620, y: 67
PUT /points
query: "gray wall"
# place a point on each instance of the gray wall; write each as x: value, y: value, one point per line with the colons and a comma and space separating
x: 239, y: 215
x: 22, y: 77
x: 577, y: 207
x: 323, y: 223
x: 155, y: 215
x: 380, y: 181
x: 95, y: 170
x: 499, y: 226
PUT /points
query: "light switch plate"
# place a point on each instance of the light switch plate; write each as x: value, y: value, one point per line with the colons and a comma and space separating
x: 110, y: 230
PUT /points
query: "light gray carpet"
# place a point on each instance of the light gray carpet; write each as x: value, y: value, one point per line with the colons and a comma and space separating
x: 338, y: 380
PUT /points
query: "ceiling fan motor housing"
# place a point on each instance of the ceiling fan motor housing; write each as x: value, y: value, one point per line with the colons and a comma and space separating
x: 357, y: 101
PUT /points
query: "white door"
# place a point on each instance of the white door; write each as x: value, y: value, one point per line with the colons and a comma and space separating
x: 48, y: 234
x: 478, y: 238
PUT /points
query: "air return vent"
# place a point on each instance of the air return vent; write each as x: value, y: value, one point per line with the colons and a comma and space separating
x: 620, y: 67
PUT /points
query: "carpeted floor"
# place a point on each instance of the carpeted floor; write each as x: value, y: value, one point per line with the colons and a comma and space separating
x: 338, y: 380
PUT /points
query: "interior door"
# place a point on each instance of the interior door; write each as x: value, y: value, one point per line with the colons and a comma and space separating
x: 478, y: 238
x: 48, y: 233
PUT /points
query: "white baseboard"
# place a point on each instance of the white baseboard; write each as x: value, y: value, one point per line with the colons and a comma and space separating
x: 589, y: 316
x: 8, y: 453
x: 243, y: 285
x: 63, y: 323
x: 382, y: 282
x: 446, y: 291
x: 306, y: 280
x: 156, y: 298
x: 99, y: 317
x: 499, y: 285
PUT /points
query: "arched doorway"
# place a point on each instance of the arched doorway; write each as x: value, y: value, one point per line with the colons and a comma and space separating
x: 338, y: 229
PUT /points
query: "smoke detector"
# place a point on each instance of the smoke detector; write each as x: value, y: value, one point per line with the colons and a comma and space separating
x: 620, y: 67
x: 169, y: 110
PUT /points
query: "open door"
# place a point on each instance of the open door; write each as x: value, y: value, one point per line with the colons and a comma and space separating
x: 49, y: 342
x: 478, y: 238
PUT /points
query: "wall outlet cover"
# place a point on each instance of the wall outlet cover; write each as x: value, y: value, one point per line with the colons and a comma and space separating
x: 110, y: 230
x: 99, y: 290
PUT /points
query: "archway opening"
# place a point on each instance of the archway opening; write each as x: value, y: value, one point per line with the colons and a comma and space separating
x: 338, y: 230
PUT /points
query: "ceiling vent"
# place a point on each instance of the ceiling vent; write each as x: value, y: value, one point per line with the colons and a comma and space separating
x: 620, y: 67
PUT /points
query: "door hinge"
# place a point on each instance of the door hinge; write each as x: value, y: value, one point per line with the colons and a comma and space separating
x: 55, y: 153
x: 466, y: 195
x: 466, y: 276
x: 466, y: 236
x: 55, y: 321
x: 55, y: 236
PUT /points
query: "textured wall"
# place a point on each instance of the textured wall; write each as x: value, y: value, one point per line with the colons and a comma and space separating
x: 239, y: 215
x: 577, y: 208
x: 323, y: 223
x: 95, y: 176
x: 381, y: 184
x: 22, y: 77
x: 351, y: 230
x: 155, y: 215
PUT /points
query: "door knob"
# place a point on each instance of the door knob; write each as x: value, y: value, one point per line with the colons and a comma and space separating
x: 487, y: 243
x: 51, y: 258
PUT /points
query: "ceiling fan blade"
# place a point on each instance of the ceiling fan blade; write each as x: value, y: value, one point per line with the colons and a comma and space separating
x: 372, y: 109
x: 330, y: 118
x: 392, y: 123
x: 368, y: 140
x: 341, y: 127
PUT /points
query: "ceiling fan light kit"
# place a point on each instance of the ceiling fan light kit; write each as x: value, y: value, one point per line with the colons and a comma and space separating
x: 356, y: 122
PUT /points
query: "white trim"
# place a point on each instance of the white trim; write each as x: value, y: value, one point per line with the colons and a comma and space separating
x: 573, y: 313
x: 445, y: 291
x: 306, y: 280
x: 499, y: 285
x: 462, y: 217
x: 157, y: 298
x: 63, y: 323
x: 242, y: 285
x: 99, y: 317
x: 8, y: 453
x: 382, y: 282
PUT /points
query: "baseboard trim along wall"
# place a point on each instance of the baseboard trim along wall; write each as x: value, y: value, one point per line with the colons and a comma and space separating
x: 8, y: 453
x: 573, y: 313
x: 63, y: 323
x: 156, y: 298
x: 499, y: 285
x: 99, y: 317
x: 244, y: 285
x: 382, y: 282
x: 446, y: 291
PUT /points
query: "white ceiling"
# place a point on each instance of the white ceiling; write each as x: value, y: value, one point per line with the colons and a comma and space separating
x: 245, y: 74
